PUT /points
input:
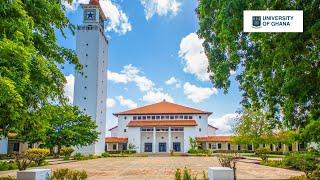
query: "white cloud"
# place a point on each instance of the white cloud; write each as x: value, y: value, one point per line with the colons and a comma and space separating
x: 69, y: 87
x: 156, y: 96
x: 225, y: 123
x: 117, y: 19
x: 198, y: 94
x: 173, y: 81
x: 131, y: 73
x: 160, y: 7
x: 195, y: 59
x: 110, y: 103
x: 126, y: 102
x: 116, y: 77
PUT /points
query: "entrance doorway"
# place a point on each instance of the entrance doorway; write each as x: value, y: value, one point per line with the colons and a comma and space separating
x: 162, y: 147
x: 147, y: 147
x: 177, y: 146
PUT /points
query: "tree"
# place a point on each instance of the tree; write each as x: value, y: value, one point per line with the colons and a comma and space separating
x: 311, y: 133
x: 278, y: 72
x: 29, y: 59
x: 64, y: 126
x: 254, y: 127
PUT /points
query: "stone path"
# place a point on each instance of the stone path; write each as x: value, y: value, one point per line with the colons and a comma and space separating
x: 154, y: 168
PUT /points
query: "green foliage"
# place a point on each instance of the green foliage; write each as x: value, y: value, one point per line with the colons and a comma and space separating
x: 306, y: 162
x: 105, y: 154
x: 80, y: 157
x: 122, y: 152
x: 65, y: 126
x: 177, y: 175
x: 277, y: 72
x: 227, y: 160
x: 5, y: 165
x: 68, y: 174
x: 66, y: 152
x: 193, y: 143
x: 273, y: 163
x: 186, y: 174
x: 21, y: 161
x: 37, y: 155
x: 311, y: 133
x: 263, y: 153
x: 29, y: 62
x: 298, y: 178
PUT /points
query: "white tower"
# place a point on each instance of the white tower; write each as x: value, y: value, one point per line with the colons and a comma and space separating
x: 90, y: 90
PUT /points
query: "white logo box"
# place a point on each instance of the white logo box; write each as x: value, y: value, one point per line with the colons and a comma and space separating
x: 273, y: 21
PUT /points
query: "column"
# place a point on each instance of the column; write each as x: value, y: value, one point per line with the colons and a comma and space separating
x: 154, y: 140
x: 117, y: 146
x: 284, y: 148
x: 169, y: 139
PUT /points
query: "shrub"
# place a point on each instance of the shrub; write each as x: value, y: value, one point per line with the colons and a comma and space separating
x: 66, y: 152
x: 298, y: 178
x: 306, y: 162
x: 105, y: 154
x: 5, y: 165
x: 186, y: 174
x: 177, y: 175
x: 21, y: 161
x: 228, y: 160
x: 66, y: 174
x: 38, y: 155
x: 78, y: 156
x: 123, y: 152
x: 263, y: 153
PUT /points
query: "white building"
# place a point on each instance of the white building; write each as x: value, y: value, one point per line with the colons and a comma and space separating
x: 90, y: 90
x: 159, y: 127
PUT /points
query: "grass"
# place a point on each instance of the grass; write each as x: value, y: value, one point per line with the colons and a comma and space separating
x: 254, y: 155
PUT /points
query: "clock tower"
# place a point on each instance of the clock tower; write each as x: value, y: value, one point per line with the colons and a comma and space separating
x: 90, y: 90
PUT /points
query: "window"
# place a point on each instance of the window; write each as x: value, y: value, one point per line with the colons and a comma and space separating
x: 30, y: 145
x: 199, y: 129
x: 153, y: 117
x: 85, y: 76
x: 157, y: 117
x: 84, y: 98
x: 176, y: 117
x: 139, y: 117
x: 87, y: 44
x: 143, y: 117
x: 229, y: 146
x: 190, y: 117
x: 199, y: 117
x: 219, y: 145
x: 209, y: 145
x: 124, y: 130
x: 16, y: 146
x: 239, y: 148
x: 162, y: 117
x: 167, y: 117
x: 86, y: 54
x: 180, y: 117
x: 85, y: 87
x: 185, y: 117
x: 134, y: 117
x: 114, y: 147
x: 84, y: 109
x: 249, y: 147
x: 214, y: 146
x: 86, y: 65
x: 148, y: 117
x: 125, y: 117
x: 171, y: 117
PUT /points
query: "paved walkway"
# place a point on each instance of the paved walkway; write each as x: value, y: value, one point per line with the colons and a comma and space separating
x: 154, y: 168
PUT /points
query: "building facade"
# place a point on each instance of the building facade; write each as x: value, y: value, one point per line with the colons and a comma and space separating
x: 159, y: 128
x: 90, y: 90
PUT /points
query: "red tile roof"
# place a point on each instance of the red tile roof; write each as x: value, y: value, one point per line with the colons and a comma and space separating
x: 214, y: 139
x: 94, y: 2
x: 116, y: 140
x: 148, y: 123
x: 112, y: 128
x: 163, y: 107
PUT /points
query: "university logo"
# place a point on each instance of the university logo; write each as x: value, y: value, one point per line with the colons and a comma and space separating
x: 256, y: 21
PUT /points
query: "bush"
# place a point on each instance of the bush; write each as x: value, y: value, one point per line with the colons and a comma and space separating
x: 66, y: 174
x: 123, y: 152
x: 66, y: 152
x: 21, y: 161
x: 5, y: 165
x: 38, y: 155
x: 177, y: 175
x: 105, y: 154
x: 306, y: 162
x: 80, y: 157
x: 263, y: 153
x: 7, y: 178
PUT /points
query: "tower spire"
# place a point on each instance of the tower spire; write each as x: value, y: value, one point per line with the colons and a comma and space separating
x: 94, y: 2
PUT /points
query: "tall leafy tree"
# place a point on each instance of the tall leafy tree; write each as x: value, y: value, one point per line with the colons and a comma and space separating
x: 64, y: 126
x: 29, y: 59
x: 279, y: 72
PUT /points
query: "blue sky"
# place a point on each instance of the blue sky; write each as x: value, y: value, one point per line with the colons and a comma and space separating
x: 154, y: 54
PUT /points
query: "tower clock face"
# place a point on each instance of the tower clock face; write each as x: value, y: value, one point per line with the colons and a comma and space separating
x: 90, y: 14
